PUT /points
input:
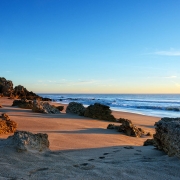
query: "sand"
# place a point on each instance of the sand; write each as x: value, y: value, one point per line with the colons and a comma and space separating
x: 82, y: 148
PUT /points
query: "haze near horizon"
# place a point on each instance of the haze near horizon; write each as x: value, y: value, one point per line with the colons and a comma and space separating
x: 88, y: 46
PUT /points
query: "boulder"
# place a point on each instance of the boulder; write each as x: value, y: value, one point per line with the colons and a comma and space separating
x: 99, y: 111
x: 26, y: 141
x: 6, y: 125
x: 149, y: 142
x: 167, y: 136
x: 75, y: 108
x: 6, y: 87
x: 44, y: 107
x: 23, y: 103
x: 129, y: 129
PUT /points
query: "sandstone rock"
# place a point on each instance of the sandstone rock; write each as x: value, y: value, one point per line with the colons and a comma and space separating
x: 6, y: 125
x: 44, y: 107
x: 6, y: 87
x: 129, y: 129
x: 23, y: 103
x: 167, y: 136
x: 149, y: 142
x: 99, y: 111
x: 26, y: 141
x: 75, y: 108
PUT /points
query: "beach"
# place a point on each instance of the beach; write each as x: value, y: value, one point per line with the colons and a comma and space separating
x: 83, y: 148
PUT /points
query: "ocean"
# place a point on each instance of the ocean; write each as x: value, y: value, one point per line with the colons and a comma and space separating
x: 159, y: 105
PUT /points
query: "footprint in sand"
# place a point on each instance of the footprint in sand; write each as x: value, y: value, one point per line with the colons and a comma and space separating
x: 90, y: 159
x: 105, y: 154
x: 128, y: 147
x: 102, y: 157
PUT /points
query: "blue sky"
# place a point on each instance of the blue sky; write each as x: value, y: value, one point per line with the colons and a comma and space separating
x: 91, y: 46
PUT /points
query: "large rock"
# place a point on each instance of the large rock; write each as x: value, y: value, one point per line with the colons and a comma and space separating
x: 26, y: 141
x: 99, y: 111
x: 6, y: 125
x: 129, y: 129
x: 6, y: 87
x: 167, y: 136
x: 44, y: 107
x: 23, y: 103
x: 75, y: 108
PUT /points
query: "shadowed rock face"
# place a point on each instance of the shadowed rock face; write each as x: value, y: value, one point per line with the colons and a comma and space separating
x: 6, y: 125
x: 167, y: 136
x: 6, y: 87
x: 99, y: 111
x: 23, y: 103
x: 44, y: 107
x: 129, y: 129
x: 75, y: 108
x: 26, y: 141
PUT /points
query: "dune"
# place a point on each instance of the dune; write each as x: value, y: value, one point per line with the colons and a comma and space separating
x: 82, y: 148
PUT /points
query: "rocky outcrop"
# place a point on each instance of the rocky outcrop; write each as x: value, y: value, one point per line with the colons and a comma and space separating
x: 21, y: 92
x: 26, y: 141
x: 6, y: 125
x: 6, y: 87
x: 23, y: 103
x: 75, y: 108
x: 44, y: 107
x: 149, y: 142
x: 99, y: 111
x: 60, y: 108
x: 129, y: 129
x: 167, y: 136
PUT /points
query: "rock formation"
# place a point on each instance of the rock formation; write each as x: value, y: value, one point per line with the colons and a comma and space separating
x: 149, y: 142
x: 26, y: 141
x: 6, y: 87
x: 44, y: 107
x: 75, y: 108
x: 60, y: 108
x: 19, y: 92
x: 6, y: 125
x: 167, y: 136
x: 129, y: 129
x: 99, y: 111
x: 23, y: 103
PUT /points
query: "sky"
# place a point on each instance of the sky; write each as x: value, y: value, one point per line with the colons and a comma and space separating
x: 91, y: 46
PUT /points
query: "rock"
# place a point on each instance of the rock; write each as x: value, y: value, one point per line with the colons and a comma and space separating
x: 148, y: 134
x: 6, y: 125
x: 149, y: 142
x: 99, y: 111
x: 6, y: 87
x: 0, y: 106
x: 167, y: 136
x: 112, y: 126
x: 129, y: 129
x: 75, y: 108
x: 60, y: 108
x: 44, y: 107
x: 26, y: 141
x: 23, y: 103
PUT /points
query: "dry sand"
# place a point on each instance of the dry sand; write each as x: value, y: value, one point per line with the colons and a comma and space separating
x: 82, y: 148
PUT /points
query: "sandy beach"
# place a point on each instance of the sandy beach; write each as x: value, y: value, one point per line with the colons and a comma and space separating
x: 83, y: 148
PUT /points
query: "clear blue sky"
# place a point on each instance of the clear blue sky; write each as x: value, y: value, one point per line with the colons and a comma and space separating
x: 91, y: 46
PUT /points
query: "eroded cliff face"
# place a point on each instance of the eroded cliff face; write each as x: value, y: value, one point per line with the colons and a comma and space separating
x: 19, y: 92
x: 6, y: 87
x: 167, y: 137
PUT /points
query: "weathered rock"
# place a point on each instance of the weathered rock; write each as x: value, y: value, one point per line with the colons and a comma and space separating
x: 149, y: 142
x: 44, y: 107
x: 129, y: 129
x: 6, y: 87
x: 99, y: 111
x: 26, y: 141
x: 112, y: 126
x: 60, y: 108
x: 75, y: 108
x: 6, y: 125
x: 167, y: 136
x: 23, y: 103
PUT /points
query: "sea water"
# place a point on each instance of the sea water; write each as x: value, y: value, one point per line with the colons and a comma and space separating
x: 159, y: 105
